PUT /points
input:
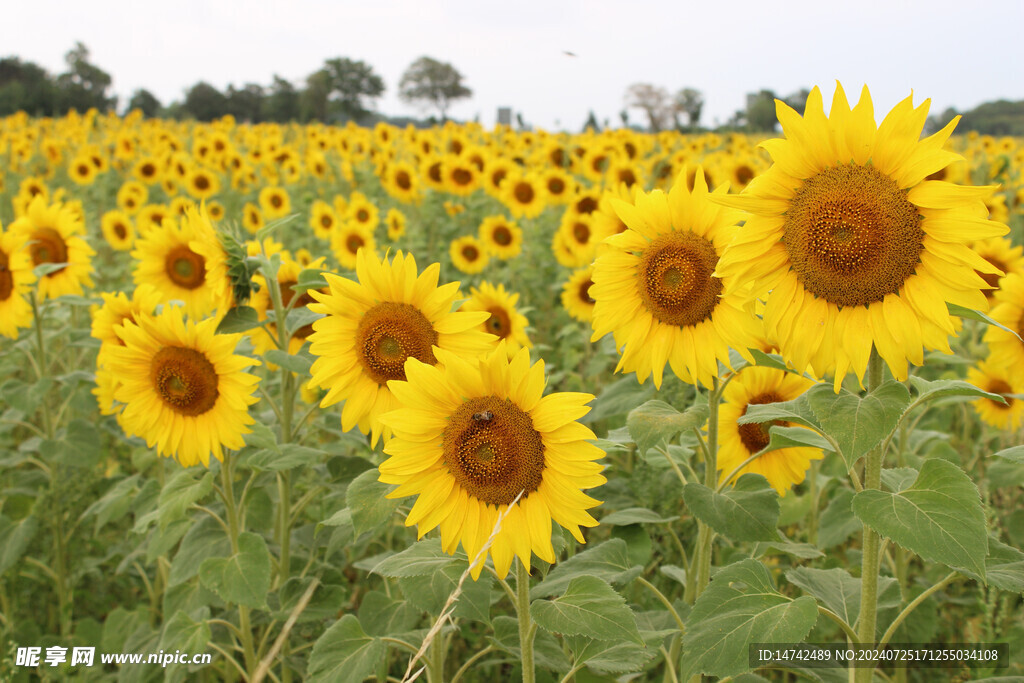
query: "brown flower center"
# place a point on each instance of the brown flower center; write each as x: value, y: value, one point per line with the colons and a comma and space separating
x: 999, y: 386
x: 470, y: 253
x: 6, y: 278
x: 402, y: 180
x: 524, y: 193
x: 201, y: 183
x: 556, y: 186
x: 502, y: 235
x: 185, y: 380
x: 675, y: 280
x: 120, y: 231
x: 581, y: 233
x: 755, y: 435
x: 493, y: 451
x: 354, y: 243
x: 586, y: 205
x: 584, y: 292
x: 499, y: 323
x: 185, y: 268
x: 276, y: 201
x: 462, y: 177
x: 47, y: 246
x: 852, y: 235
x: 326, y: 221
x: 388, y: 334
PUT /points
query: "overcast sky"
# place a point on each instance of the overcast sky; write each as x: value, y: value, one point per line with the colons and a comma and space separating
x: 512, y: 53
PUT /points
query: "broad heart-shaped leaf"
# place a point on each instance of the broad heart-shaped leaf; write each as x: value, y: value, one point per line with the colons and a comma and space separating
x: 365, y: 497
x: 607, y: 658
x: 182, y: 490
x: 608, y: 561
x: 840, y: 591
x: 243, y: 578
x: 655, y: 421
x: 182, y: 631
x: 940, y: 517
x: 948, y: 388
x: 746, y: 512
x: 838, y: 522
x: 419, y: 559
x: 618, y: 398
x: 344, y: 653
x: 430, y: 592
x: 590, y: 607
x: 1013, y: 454
x: 381, y: 615
x: 238, y: 319
x: 858, y: 424
x: 1004, y: 566
x: 635, y: 516
x: 739, y: 607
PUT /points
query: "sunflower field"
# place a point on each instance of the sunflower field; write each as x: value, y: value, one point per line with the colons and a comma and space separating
x: 320, y: 403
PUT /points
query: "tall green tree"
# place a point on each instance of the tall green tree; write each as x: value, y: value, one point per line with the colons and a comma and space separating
x: 84, y: 85
x: 436, y: 84
x: 689, y: 101
x: 282, y: 102
x: 144, y: 101
x: 203, y: 102
x: 352, y: 85
x: 761, y: 111
x: 313, y: 104
x: 25, y: 86
x: 245, y: 103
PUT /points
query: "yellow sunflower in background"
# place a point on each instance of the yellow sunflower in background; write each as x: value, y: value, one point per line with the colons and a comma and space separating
x: 16, y: 280
x: 756, y: 386
x: 215, y: 210
x: 396, y: 223
x: 1001, y: 253
x: 183, y: 260
x: 523, y: 194
x: 468, y: 254
x: 275, y: 202
x: 322, y: 219
x: 118, y: 230
x: 850, y: 239
x: 374, y: 324
x: 558, y: 184
x: 655, y: 290
x: 150, y: 216
x: 576, y: 298
x: 362, y: 212
x: 460, y: 176
x: 501, y: 237
x: 505, y: 323
x: 202, y: 184
x: 252, y: 219
x: 82, y: 171
x: 348, y: 240
x: 265, y: 338
x: 998, y: 379
x: 51, y: 235
x: 132, y: 196
x: 401, y: 181
x: 183, y: 388
x: 1005, y: 349
x: 473, y: 435
x: 576, y: 233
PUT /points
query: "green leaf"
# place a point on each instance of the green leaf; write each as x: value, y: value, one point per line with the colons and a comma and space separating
x: 590, y: 607
x: 300, y: 365
x: 547, y: 651
x: 365, y: 497
x: 948, y: 388
x: 858, y: 424
x: 288, y: 457
x: 608, y: 561
x: 344, y: 653
x: 44, y: 269
x: 770, y: 360
x: 618, y: 398
x: 204, y: 540
x: 430, y: 592
x: 1004, y: 566
x: 739, y: 607
x: 261, y: 437
x: 115, y: 503
x: 181, y: 491
x: 898, y: 479
x: 797, y: 411
x: 746, y: 512
x: 297, y: 319
x: 940, y: 517
x: 837, y: 522
x: 840, y: 591
x: 325, y: 603
x: 238, y: 319
x: 805, y: 551
x: 1013, y: 454
x: 422, y: 557
x: 607, y: 658
x: 243, y: 578
x: 310, y: 278
x: 182, y: 632
x: 656, y: 421
x: 14, y: 539
x: 382, y: 615
x: 971, y: 314
x: 795, y: 437
x: 636, y: 516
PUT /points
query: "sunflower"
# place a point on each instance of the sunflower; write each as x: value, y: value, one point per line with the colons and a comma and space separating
x: 559, y: 185
x: 215, y: 210
x: 118, y: 229
x: 51, y: 233
x: 756, y: 386
x: 82, y: 171
x: 498, y: 170
x: 348, y: 240
x: 396, y: 221
x: 468, y: 254
x: 131, y: 196
x: 524, y: 195
x: 460, y: 176
x: 401, y: 181
x: 578, y: 235
x: 1006, y: 349
x: 373, y: 325
x: 16, y: 279
x: 252, y: 219
x: 576, y: 294
x: 151, y: 216
x: 654, y: 287
x: 147, y: 170
x: 998, y: 379
x: 183, y: 260
x: 501, y: 237
x: 117, y: 309
x: 183, y: 388
x: 322, y: 219
x: 1001, y: 253
x: 473, y: 435
x: 362, y: 212
x: 850, y: 239
x: 505, y: 323
x: 275, y: 202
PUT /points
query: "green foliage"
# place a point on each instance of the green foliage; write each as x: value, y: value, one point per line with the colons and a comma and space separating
x: 589, y: 607
x: 656, y: 422
x: 436, y: 84
x: 344, y: 653
x: 244, y: 577
x: 746, y: 512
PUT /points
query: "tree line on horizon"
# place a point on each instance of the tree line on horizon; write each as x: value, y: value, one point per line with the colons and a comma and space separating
x: 343, y: 89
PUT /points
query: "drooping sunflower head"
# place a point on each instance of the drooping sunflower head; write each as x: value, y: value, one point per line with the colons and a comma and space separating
x: 373, y: 325
x: 52, y: 234
x: 656, y: 291
x: 472, y: 435
x: 850, y: 238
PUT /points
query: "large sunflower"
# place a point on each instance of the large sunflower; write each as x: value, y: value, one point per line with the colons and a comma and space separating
x: 757, y: 386
x: 16, y: 280
x: 654, y: 287
x: 852, y: 241
x: 51, y: 235
x: 471, y: 436
x: 372, y: 326
x: 183, y: 388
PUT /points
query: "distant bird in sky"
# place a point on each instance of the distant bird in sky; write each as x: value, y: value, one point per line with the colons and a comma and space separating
x: 569, y: 54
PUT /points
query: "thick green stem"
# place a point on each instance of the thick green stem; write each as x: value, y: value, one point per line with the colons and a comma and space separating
x: 527, y: 629
x: 871, y: 558
x: 244, y: 625
x: 37, y: 315
x: 705, y: 535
